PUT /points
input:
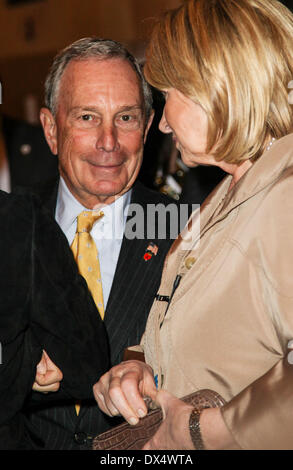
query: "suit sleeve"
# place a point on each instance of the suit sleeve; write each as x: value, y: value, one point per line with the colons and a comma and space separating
x: 65, y: 320
x: 19, y: 354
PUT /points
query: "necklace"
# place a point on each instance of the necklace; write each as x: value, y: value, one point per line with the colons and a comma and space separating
x: 270, y: 144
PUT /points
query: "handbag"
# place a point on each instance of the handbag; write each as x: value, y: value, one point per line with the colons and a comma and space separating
x: 129, y: 437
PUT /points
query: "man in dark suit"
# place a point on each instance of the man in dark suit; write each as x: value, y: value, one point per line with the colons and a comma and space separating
x: 25, y: 158
x: 45, y: 305
x: 98, y: 112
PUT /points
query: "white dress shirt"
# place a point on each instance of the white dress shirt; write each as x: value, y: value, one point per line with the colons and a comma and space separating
x: 107, y: 232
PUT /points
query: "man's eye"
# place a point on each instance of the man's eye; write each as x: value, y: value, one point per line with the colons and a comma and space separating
x: 87, y: 117
x: 129, y: 121
x: 126, y: 117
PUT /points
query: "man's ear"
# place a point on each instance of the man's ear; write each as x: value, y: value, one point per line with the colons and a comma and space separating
x: 50, y: 129
x: 147, y: 127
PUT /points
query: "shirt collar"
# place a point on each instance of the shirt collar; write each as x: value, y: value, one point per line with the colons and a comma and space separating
x: 68, y: 207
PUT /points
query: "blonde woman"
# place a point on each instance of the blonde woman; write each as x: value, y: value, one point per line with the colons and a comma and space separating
x: 224, y: 67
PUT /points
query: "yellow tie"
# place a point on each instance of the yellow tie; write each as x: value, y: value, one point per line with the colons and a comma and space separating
x: 87, y: 258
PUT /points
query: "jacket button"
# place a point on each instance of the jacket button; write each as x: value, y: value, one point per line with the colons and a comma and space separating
x: 189, y: 262
x: 80, y: 438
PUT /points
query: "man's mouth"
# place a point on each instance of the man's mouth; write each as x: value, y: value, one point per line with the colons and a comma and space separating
x: 105, y: 166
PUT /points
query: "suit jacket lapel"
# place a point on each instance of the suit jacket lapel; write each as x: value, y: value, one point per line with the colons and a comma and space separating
x: 133, y: 278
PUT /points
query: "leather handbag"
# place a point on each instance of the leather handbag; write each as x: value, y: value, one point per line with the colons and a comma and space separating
x: 127, y: 437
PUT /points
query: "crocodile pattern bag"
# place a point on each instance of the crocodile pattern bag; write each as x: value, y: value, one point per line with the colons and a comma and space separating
x: 127, y: 437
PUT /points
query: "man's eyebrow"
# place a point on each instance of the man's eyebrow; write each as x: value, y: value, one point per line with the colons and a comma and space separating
x: 95, y: 109
x: 131, y: 107
x: 77, y: 109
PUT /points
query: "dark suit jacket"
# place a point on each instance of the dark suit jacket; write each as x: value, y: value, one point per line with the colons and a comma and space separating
x: 134, y: 287
x: 45, y: 304
x: 30, y: 159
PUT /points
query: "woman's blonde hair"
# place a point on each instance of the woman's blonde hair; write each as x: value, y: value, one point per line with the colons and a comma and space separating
x: 235, y: 59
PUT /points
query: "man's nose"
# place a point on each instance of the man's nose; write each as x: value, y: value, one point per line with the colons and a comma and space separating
x: 107, y: 138
x: 163, y: 125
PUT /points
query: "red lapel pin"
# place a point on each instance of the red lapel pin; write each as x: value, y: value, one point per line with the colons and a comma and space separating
x: 151, y: 250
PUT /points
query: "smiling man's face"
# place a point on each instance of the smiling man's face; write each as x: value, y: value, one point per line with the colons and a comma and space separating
x: 99, y: 129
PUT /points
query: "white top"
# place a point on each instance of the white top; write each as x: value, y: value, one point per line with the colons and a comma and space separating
x: 107, y: 232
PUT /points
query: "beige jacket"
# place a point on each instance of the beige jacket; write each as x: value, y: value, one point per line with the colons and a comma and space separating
x: 230, y: 320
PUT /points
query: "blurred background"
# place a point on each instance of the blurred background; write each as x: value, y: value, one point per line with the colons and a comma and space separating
x: 32, y: 31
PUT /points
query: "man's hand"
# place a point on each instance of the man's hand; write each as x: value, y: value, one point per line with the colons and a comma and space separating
x: 122, y: 389
x: 48, y: 376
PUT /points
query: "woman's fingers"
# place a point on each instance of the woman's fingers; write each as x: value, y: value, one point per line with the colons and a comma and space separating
x: 117, y: 390
x: 122, y: 389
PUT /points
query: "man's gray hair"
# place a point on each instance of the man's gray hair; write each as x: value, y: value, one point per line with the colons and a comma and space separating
x: 100, y: 49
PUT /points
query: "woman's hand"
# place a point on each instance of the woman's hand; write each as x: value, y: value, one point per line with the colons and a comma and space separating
x: 174, y: 430
x: 174, y: 434
x: 122, y: 389
x: 48, y: 375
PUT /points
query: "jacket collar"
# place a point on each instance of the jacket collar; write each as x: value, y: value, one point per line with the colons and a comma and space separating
x: 220, y: 202
x: 263, y: 173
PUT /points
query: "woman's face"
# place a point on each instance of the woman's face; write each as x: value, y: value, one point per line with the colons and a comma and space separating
x: 189, y: 125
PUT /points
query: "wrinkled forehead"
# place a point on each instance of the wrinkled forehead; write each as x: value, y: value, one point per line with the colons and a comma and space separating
x: 92, y: 80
